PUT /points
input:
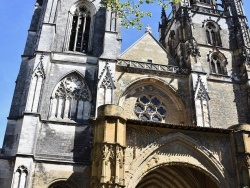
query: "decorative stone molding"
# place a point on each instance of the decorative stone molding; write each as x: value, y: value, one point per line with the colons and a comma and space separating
x: 111, y: 165
x: 109, y: 148
x: 71, y: 99
x: 168, y: 149
x: 193, y: 48
x: 143, y: 66
x: 36, y: 86
x: 202, y: 103
x: 106, y: 78
x: 106, y: 86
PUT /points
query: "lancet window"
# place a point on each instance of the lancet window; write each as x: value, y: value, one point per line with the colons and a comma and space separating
x: 35, y: 88
x: 150, y: 108
x: 171, y: 43
x: 217, y: 65
x: 78, y: 32
x: 20, y: 177
x: 213, y: 34
x: 71, y: 99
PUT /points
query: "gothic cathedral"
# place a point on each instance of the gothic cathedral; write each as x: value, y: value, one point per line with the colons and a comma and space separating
x: 167, y: 113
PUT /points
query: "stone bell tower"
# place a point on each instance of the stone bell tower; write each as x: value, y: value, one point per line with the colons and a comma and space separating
x: 211, y: 38
x: 69, y: 52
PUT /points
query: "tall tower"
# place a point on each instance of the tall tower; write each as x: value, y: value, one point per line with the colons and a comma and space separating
x: 211, y: 39
x: 48, y: 136
x: 168, y: 113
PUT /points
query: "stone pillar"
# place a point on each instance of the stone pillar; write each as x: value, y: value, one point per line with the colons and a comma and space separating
x: 109, y: 143
x: 242, y: 150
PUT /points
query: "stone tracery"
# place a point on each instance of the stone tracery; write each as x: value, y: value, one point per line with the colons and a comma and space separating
x: 20, y: 178
x: 150, y: 108
x: 177, y: 148
x: 71, y: 99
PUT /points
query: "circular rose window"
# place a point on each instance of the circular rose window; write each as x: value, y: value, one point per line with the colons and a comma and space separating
x: 150, y: 108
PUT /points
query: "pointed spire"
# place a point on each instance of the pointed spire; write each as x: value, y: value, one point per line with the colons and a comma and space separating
x: 164, y: 18
x: 163, y: 13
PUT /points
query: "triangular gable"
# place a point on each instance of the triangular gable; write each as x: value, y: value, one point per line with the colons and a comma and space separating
x: 200, y: 91
x: 148, y: 49
x: 39, y: 69
x: 106, y: 79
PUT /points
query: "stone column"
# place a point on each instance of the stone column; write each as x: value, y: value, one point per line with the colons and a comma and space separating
x: 109, y: 143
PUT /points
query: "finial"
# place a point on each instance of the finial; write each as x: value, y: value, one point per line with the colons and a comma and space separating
x: 148, y: 29
x: 163, y: 13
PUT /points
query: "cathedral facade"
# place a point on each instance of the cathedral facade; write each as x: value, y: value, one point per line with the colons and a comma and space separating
x: 172, y: 113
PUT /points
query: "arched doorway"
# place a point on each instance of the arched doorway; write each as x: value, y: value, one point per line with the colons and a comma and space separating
x: 176, y: 176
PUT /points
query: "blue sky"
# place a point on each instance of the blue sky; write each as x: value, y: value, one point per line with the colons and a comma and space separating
x: 15, y: 18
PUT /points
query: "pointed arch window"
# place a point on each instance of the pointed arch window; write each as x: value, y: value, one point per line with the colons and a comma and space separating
x: 20, y: 177
x: 78, y: 32
x: 213, y: 34
x: 218, y: 64
x: 71, y: 99
x: 171, y: 43
x: 79, y: 37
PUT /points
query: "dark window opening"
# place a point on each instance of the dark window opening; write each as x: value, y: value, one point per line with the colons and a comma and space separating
x: 213, y: 34
x: 217, y: 67
x: 80, y: 31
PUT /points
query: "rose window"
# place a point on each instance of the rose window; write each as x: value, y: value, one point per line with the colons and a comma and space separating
x: 150, y: 108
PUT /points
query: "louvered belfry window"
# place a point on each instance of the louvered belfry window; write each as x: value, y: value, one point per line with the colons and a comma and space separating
x: 80, y: 30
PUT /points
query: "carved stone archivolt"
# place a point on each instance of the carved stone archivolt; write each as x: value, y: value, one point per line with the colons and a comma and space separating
x: 149, y: 149
x: 153, y: 100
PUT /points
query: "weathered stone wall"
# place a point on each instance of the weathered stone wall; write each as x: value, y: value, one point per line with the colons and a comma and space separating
x: 12, y: 137
x: 199, y: 32
x: 47, y: 173
x: 21, y: 89
x: 223, y: 109
x: 64, y: 142
x: 147, y: 49
x: 5, y: 173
